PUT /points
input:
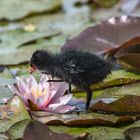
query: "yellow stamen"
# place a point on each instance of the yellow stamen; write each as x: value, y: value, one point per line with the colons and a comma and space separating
x: 36, y: 92
x: 33, y: 92
x: 39, y: 93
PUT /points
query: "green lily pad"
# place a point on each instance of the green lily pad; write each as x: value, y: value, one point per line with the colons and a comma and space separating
x: 116, y: 78
x: 6, y: 78
x: 19, y: 37
x: 13, y: 112
x: 6, y: 74
x: 98, y: 132
x: 105, y: 3
x: 22, y: 55
x: 81, y: 120
x: 19, y: 9
x: 14, y: 50
x: 16, y: 53
x: 16, y: 130
x: 5, y: 92
x: 6, y: 81
x: 117, y: 92
x: 62, y: 22
x: 118, y: 74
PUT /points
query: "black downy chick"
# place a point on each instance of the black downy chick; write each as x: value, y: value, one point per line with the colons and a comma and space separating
x: 79, y: 68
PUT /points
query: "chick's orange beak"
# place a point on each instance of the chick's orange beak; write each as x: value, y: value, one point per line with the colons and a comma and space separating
x: 32, y: 69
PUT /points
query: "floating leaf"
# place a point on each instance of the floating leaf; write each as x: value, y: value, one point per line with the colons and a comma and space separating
x: 5, y: 93
x: 105, y: 3
x: 118, y: 92
x: 126, y: 105
x: 98, y: 132
x: 16, y: 130
x: 19, y: 40
x: 128, y: 6
x: 6, y: 81
x: 22, y: 55
x: 36, y: 130
x: 129, y: 57
x: 132, y: 133
x: 108, y: 35
x: 20, y: 37
x: 6, y: 74
x: 103, y: 14
x: 116, y: 78
x: 13, y: 112
x: 81, y: 120
x: 19, y: 9
x: 62, y: 22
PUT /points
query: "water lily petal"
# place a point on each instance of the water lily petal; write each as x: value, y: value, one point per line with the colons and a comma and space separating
x: 62, y: 109
x: 44, y: 78
x: 54, y: 85
x: 57, y: 89
x: 50, y: 92
x: 15, y: 90
x: 45, y: 95
x: 61, y: 101
x: 41, y: 88
x: 64, y: 99
x: 46, y: 98
x: 23, y: 88
x: 60, y: 91
x: 31, y: 82
x: 43, y: 82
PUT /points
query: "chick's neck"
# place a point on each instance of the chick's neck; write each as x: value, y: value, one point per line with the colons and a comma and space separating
x: 51, y: 63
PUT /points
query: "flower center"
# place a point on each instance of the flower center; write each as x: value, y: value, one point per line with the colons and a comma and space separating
x: 36, y: 92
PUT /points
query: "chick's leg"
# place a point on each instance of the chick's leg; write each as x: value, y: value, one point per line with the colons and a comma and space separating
x: 69, y: 90
x: 88, y: 98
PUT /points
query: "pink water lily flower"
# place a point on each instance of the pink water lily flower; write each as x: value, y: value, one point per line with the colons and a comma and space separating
x: 48, y: 96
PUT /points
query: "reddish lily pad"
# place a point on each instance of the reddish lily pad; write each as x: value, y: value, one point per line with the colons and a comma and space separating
x: 108, y: 35
x: 126, y: 105
x: 129, y: 57
x: 36, y: 130
x: 81, y: 120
